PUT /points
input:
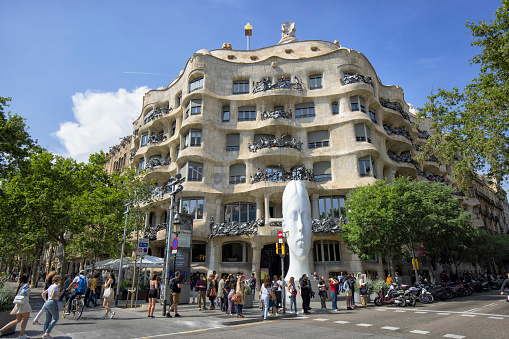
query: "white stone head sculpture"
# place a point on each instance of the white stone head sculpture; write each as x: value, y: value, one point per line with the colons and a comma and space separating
x: 297, y: 222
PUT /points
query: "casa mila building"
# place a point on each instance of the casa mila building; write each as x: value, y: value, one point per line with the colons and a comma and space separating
x: 239, y: 124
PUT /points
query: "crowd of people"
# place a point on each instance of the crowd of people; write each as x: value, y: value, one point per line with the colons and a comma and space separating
x: 56, y: 290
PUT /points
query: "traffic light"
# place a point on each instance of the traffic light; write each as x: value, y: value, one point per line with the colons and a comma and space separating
x: 280, y: 249
x: 415, y: 264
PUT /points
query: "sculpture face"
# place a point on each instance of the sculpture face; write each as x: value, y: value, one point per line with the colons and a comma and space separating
x: 297, y: 219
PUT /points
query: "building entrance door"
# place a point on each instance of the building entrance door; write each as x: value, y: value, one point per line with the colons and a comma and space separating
x: 272, y: 261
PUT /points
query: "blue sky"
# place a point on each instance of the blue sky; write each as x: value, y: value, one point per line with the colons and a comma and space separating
x: 67, y: 64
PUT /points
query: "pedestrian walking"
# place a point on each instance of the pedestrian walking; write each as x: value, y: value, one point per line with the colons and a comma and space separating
x: 50, y: 297
x: 22, y: 309
x: 108, y: 296
x: 322, y: 292
x: 87, y: 291
x: 201, y: 285
x: 292, y: 291
x: 176, y: 287
x: 93, y: 291
x: 264, y: 296
x: 351, y: 282
x: 240, y: 290
x: 152, y: 295
x: 220, y: 293
x: 47, y: 283
x: 194, y: 290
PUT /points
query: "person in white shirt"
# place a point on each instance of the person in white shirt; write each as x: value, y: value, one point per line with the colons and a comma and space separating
x: 50, y: 297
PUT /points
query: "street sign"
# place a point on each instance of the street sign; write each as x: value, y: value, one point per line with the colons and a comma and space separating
x: 175, y: 243
x: 173, y: 251
x: 142, y: 246
x: 280, y: 234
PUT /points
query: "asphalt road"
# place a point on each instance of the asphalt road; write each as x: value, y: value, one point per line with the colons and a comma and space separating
x: 478, y: 316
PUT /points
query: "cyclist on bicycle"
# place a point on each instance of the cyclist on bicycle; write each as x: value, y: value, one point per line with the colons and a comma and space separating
x: 80, y: 282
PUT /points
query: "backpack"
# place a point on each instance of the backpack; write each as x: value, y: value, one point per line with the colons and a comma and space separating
x: 173, y: 285
x: 82, y: 285
x: 252, y: 282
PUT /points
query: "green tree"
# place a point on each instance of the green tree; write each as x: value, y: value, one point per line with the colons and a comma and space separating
x: 15, y: 142
x: 394, y: 219
x: 472, y: 125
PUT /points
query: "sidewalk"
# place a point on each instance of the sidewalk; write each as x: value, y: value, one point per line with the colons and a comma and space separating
x: 131, y: 323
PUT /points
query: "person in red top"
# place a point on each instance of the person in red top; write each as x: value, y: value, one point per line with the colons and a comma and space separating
x: 334, y: 287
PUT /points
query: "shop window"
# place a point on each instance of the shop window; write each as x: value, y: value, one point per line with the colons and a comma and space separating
x: 199, y: 251
x: 235, y: 252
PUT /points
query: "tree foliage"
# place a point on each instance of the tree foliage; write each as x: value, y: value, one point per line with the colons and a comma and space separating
x: 15, y: 141
x: 393, y: 219
x: 471, y: 125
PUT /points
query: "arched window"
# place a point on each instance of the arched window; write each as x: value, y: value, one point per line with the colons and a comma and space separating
x: 326, y: 251
x: 235, y: 252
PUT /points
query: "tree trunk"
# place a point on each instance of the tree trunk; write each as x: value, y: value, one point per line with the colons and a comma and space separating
x: 21, y: 264
x: 391, y: 265
x: 35, y: 270
x: 64, y: 260
x: 431, y: 275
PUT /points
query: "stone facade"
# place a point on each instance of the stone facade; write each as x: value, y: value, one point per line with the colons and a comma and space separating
x: 239, y: 124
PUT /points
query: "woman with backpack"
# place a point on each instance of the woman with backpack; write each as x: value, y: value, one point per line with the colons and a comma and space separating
x: 21, y: 308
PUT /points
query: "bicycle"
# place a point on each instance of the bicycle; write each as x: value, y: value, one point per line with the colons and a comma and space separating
x: 76, y: 309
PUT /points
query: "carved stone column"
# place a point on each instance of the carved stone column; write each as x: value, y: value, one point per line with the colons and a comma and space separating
x: 214, y: 248
x: 219, y: 205
x: 147, y: 220
x: 267, y: 212
x: 391, y: 175
x: 259, y: 211
x: 344, y: 106
x: 158, y: 214
x: 256, y: 255
x: 315, y: 213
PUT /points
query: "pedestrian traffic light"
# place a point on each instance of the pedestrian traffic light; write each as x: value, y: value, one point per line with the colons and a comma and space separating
x: 280, y: 249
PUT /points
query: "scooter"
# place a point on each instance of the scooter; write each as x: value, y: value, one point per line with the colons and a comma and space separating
x: 392, y: 297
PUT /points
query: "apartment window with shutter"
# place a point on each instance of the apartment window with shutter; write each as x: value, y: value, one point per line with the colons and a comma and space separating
x: 318, y: 139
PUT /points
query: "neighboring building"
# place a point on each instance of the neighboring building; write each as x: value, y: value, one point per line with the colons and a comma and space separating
x: 119, y: 156
x: 491, y: 209
x: 239, y: 124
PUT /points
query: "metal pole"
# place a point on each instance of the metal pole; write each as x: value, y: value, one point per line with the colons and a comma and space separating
x: 121, y: 257
x: 138, y: 283
x: 248, y: 42
x: 283, y: 275
x: 167, y: 254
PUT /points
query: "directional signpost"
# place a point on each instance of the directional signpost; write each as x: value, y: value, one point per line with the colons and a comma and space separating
x: 142, y: 246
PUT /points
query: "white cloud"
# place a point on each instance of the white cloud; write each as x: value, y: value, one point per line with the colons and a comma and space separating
x: 102, y: 118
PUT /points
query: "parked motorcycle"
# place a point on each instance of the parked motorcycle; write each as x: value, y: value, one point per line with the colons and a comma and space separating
x: 392, y: 297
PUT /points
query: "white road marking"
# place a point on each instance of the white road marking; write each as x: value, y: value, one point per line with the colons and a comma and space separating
x: 468, y: 315
x: 389, y: 328
x: 321, y: 319
x: 364, y: 325
x: 400, y: 311
x: 341, y: 322
x: 421, y: 312
x: 454, y: 336
x: 419, y: 332
x: 381, y: 309
x: 444, y: 313
x: 473, y: 309
x: 495, y: 318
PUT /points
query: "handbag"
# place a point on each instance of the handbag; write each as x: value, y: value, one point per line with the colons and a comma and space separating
x: 363, y: 290
x: 107, y: 293
x: 19, y: 300
x: 236, y: 298
x: 272, y: 296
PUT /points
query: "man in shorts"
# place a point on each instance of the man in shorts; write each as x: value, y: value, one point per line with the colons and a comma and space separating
x: 175, y: 286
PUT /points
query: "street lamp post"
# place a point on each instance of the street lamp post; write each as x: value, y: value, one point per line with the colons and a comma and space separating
x: 126, y: 212
x: 172, y: 187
